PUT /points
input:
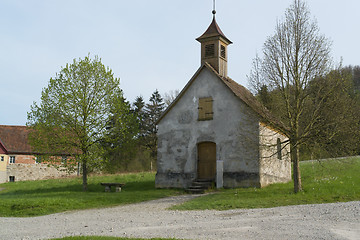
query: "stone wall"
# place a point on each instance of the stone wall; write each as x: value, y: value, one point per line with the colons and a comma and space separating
x: 25, y: 172
x: 274, y: 167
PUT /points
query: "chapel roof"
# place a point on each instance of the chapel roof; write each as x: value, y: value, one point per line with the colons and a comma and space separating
x: 15, y: 139
x: 239, y: 91
x: 213, y: 31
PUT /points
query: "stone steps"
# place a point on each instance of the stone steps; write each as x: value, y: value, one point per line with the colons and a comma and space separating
x: 199, y: 186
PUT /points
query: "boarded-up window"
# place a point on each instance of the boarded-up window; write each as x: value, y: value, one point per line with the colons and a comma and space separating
x: 206, y: 109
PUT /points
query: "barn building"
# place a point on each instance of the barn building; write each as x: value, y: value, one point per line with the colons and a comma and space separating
x: 17, y: 160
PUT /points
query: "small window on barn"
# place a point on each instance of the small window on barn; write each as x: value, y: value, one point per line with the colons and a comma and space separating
x: 209, y: 50
x: 12, y: 159
x: 38, y: 159
x: 223, y: 51
x: 2, y: 158
x: 63, y: 159
x: 205, y: 109
x: 278, y: 145
x: 11, y: 178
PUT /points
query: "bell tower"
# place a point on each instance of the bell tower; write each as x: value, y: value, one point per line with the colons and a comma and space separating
x: 214, y: 47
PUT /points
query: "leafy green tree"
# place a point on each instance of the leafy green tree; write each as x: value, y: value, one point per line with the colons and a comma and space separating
x: 74, y: 113
x: 295, y: 55
x: 336, y: 131
x: 153, y: 111
x: 355, y: 73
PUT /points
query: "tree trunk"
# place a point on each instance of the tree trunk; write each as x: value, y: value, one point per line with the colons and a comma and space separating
x: 84, y: 168
x: 294, y: 152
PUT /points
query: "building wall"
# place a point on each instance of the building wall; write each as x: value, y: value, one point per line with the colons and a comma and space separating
x: 234, y: 129
x: 272, y: 168
x: 26, y: 159
x: 3, y: 164
x: 25, y: 169
x: 25, y: 172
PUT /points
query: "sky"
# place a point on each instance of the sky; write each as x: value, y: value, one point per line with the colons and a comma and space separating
x: 149, y: 45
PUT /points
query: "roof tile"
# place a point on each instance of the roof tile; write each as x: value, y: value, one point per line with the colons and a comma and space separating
x: 15, y: 138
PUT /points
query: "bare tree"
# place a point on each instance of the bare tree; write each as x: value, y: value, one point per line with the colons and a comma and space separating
x: 170, y: 96
x: 292, y: 58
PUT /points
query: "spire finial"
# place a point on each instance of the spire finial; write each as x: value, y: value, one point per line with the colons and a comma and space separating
x: 214, y: 11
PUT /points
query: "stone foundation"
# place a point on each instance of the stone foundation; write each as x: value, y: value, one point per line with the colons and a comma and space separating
x: 267, y: 179
x: 184, y: 180
x: 241, y: 179
x: 174, y: 180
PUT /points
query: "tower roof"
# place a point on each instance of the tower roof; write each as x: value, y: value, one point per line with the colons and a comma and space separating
x: 213, y: 31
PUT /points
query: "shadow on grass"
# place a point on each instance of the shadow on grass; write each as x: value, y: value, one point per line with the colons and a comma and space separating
x: 76, y: 188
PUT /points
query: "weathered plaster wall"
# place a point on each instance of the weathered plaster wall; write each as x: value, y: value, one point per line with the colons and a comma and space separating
x: 234, y: 129
x: 3, y: 176
x: 25, y: 172
x: 3, y: 165
x: 273, y: 169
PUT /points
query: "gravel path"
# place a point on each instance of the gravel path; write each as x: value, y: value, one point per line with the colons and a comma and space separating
x: 151, y: 219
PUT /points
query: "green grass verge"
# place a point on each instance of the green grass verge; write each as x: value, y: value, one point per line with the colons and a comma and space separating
x: 34, y: 198
x: 108, y: 238
x: 323, y: 182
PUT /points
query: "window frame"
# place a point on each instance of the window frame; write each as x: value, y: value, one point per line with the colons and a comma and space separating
x: 278, y: 148
x: 38, y: 159
x: 11, y: 159
x: 64, y: 159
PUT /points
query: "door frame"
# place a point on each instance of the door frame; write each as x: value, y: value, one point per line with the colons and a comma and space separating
x: 198, y: 159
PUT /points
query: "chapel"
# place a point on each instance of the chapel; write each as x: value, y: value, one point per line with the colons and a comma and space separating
x: 217, y: 131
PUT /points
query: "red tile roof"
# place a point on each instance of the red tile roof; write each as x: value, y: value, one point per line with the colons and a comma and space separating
x: 15, y: 139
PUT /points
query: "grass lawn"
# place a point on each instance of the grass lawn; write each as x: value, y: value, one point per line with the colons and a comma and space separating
x: 34, y: 198
x: 323, y: 182
x: 108, y: 238
x: 328, y: 181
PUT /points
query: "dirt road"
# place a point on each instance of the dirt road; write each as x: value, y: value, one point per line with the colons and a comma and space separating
x: 151, y: 219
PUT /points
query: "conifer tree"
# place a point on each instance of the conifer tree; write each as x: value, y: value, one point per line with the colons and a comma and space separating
x: 153, y: 111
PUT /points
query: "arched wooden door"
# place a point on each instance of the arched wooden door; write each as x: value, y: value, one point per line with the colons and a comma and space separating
x: 206, y: 160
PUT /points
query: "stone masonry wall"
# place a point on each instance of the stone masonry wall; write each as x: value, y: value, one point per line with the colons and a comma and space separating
x: 25, y: 172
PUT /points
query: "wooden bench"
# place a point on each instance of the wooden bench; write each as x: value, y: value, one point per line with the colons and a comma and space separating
x: 109, y: 185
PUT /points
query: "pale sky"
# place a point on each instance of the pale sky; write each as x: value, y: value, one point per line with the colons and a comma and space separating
x: 148, y: 44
